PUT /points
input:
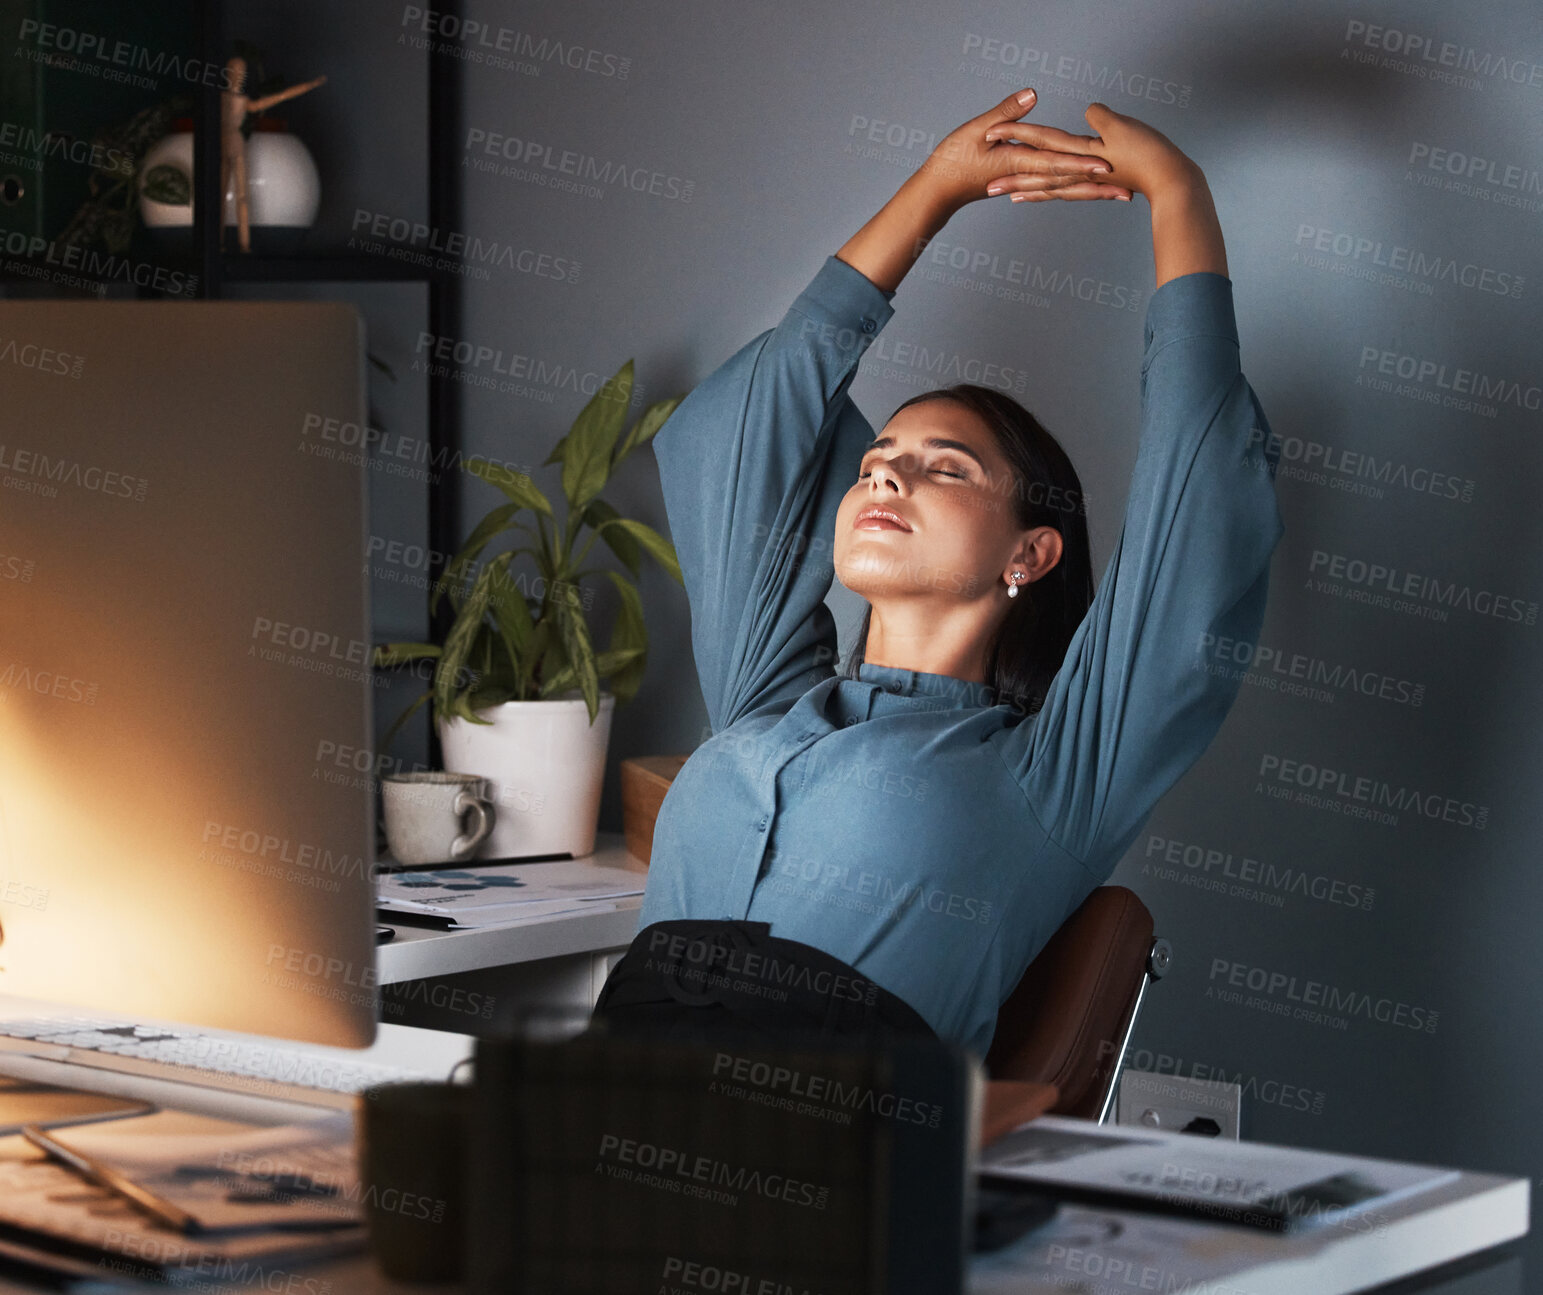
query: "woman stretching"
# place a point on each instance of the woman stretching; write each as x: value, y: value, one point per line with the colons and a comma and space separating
x: 886, y: 851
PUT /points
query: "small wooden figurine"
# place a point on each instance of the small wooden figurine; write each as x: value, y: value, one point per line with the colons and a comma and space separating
x: 234, y: 108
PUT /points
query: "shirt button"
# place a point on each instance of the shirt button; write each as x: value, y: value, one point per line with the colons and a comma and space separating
x: 761, y: 826
x: 893, y: 685
x: 868, y: 325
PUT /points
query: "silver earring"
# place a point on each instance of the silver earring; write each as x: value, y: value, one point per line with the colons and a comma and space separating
x: 1012, y: 590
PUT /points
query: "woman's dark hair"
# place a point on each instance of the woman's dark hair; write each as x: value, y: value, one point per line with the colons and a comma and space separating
x: 1030, y: 644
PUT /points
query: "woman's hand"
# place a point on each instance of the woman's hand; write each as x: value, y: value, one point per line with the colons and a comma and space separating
x: 995, y: 153
x: 979, y: 160
x: 1142, y: 159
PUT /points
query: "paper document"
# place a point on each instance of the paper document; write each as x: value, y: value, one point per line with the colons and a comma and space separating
x: 503, y: 893
x: 1275, y: 1187
x: 294, y: 1176
x: 493, y: 914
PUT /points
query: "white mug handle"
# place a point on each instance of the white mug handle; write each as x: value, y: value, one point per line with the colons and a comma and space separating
x: 467, y: 842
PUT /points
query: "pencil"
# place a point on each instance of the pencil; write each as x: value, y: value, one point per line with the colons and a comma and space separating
x: 102, y: 1175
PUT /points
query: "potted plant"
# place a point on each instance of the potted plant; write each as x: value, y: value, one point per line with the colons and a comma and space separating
x: 516, y: 688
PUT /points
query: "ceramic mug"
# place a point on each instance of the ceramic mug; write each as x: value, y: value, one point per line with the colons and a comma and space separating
x: 436, y: 817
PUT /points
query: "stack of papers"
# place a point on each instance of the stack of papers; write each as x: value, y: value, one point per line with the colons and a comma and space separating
x: 267, y: 1196
x: 1277, y: 1188
x: 502, y: 894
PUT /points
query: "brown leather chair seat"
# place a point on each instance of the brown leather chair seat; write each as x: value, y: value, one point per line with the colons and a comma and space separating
x: 1068, y: 1020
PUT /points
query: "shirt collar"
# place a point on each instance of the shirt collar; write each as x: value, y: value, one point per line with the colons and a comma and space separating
x: 941, y: 688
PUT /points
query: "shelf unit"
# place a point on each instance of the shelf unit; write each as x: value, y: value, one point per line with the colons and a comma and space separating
x: 215, y: 268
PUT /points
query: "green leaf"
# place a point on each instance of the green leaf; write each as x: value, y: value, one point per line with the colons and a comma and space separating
x: 628, y: 632
x: 499, y: 681
x: 450, y: 686
x: 647, y: 427
x: 659, y: 548
x: 456, y: 570
x: 494, y: 695
x: 168, y: 184
x: 608, y: 663
x: 512, y: 615
x: 586, y: 450
x: 518, y: 487
x: 540, y: 650
x: 560, y: 450
x: 596, y: 515
x: 613, y: 659
x: 117, y: 230
x: 574, y: 632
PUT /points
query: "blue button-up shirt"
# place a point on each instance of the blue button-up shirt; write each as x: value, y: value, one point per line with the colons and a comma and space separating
x: 900, y: 821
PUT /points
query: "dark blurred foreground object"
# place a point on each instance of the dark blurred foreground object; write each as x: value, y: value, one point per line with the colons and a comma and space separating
x: 412, y: 1169
x: 608, y: 1164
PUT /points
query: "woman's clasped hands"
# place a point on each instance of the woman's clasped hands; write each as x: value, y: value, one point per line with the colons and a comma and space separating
x: 995, y: 154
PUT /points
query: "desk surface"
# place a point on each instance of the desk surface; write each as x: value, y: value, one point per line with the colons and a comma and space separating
x: 1101, y: 1251
x: 418, y: 952
x: 1097, y: 1251
x: 1087, y: 1248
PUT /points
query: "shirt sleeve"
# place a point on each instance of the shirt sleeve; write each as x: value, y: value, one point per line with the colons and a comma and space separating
x: 753, y: 465
x: 1133, y: 705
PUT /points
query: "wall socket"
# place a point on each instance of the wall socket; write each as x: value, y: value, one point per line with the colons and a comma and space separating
x: 1179, y: 1105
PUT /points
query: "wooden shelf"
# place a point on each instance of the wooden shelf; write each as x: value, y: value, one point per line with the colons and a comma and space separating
x: 342, y: 267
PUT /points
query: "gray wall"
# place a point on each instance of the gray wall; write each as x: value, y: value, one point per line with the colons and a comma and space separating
x: 1353, y: 248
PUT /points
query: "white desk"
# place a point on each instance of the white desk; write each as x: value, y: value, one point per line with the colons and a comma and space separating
x: 1099, y: 1249
x: 416, y: 952
x: 559, y: 961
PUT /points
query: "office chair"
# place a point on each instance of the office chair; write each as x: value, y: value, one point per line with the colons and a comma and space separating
x: 1069, y: 1021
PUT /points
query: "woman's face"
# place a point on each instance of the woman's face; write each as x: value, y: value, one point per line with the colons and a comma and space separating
x: 937, y: 466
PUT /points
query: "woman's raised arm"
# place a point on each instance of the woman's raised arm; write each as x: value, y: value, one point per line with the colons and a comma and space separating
x: 1141, y: 692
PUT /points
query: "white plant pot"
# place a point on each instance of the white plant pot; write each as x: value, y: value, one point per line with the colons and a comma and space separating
x: 546, y: 763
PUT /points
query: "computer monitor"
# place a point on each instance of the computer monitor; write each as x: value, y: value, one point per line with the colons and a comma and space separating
x: 184, y: 624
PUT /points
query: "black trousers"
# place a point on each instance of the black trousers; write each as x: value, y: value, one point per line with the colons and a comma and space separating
x: 695, y: 980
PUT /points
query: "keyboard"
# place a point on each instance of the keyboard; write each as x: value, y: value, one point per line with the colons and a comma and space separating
x: 312, y: 1074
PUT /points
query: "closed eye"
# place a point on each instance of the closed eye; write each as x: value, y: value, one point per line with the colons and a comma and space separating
x: 941, y: 472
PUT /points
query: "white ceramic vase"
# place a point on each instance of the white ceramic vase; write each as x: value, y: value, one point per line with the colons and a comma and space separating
x: 283, y: 187
x: 546, y: 764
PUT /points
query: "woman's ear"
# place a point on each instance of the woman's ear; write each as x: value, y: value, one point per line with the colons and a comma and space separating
x: 1040, y: 550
